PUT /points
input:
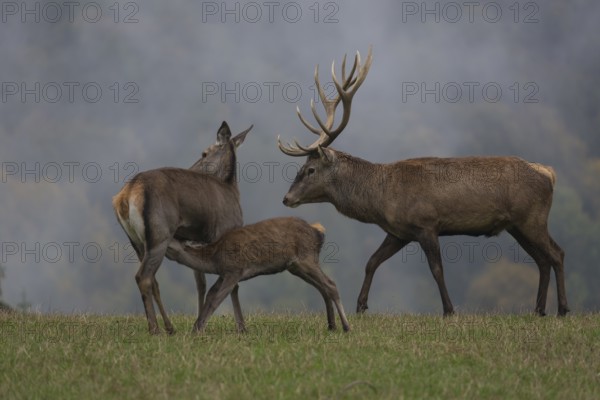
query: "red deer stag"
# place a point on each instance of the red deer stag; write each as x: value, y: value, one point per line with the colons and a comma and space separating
x: 199, y: 203
x: 267, y: 247
x: 424, y: 198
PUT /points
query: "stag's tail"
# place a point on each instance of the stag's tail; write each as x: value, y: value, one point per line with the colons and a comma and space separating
x: 545, y: 170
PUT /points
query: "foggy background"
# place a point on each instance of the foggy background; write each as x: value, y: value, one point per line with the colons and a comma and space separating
x: 93, y: 93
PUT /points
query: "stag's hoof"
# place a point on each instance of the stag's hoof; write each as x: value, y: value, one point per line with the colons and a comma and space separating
x: 540, y: 313
x: 171, y: 331
x: 242, y: 330
x: 562, y: 311
x: 361, y: 308
x: 198, y: 330
x: 448, y: 313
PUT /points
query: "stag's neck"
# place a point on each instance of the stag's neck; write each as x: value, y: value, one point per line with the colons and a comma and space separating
x: 357, y: 189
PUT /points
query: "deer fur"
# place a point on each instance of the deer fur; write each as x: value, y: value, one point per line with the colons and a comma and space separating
x: 267, y: 247
x: 423, y: 198
x: 200, y: 203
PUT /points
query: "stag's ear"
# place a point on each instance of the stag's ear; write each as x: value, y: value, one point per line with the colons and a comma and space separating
x: 325, y: 154
x: 239, y: 138
x: 223, y: 134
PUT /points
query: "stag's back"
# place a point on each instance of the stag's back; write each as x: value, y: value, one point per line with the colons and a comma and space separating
x: 471, y: 195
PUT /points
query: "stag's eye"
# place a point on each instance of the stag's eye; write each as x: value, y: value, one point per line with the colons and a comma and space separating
x: 203, y: 154
x: 310, y: 171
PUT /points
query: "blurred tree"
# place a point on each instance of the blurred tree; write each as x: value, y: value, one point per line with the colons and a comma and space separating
x: 2, y: 276
x: 506, y: 287
x: 3, y: 305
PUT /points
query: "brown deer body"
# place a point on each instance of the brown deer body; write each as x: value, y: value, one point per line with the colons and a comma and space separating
x: 200, y: 203
x: 424, y: 198
x: 264, y: 248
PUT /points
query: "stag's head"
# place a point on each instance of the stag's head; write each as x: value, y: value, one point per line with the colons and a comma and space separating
x: 219, y: 158
x: 315, y: 177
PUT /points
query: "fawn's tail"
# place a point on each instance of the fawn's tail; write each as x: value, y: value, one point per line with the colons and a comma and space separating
x: 318, y: 227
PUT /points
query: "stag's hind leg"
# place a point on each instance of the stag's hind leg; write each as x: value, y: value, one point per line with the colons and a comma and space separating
x: 546, y: 254
x: 559, y: 271
x: 431, y: 246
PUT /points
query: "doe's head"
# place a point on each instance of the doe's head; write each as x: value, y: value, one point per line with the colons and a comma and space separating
x: 219, y: 158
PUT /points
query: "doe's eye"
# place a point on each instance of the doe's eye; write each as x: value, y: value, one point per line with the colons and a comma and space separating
x: 203, y: 154
x: 310, y: 171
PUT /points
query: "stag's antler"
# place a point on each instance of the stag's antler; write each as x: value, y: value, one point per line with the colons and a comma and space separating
x: 346, y: 91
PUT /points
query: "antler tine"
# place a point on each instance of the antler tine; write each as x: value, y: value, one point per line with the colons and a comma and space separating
x: 351, y: 77
x: 324, y: 126
x: 346, y: 91
x: 346, y: 95
x: 306, y: 123
x: 329, y: 104
x: 291, y: 150
x: 304, y: 149
x: 344, y: 68
x: 322, y: 94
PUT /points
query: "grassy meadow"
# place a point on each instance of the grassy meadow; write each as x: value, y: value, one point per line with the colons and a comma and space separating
x: 285, y: 356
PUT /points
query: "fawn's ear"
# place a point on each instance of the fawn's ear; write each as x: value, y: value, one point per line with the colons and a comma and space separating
x: 223, y: 134
x: 240, y: 137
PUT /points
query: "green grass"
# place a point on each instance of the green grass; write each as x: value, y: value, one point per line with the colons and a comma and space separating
x: 294, y: 356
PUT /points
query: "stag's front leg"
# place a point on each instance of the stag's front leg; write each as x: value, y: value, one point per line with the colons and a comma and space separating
x: 390, y: 246
x: 431, y: 246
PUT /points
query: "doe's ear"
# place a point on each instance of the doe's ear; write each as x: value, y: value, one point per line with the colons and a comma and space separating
x: 325, y: 154
x: 223, y: 134
x: 240, y: 137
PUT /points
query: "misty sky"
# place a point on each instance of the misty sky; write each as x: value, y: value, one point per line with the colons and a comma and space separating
x: 94, y: 94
